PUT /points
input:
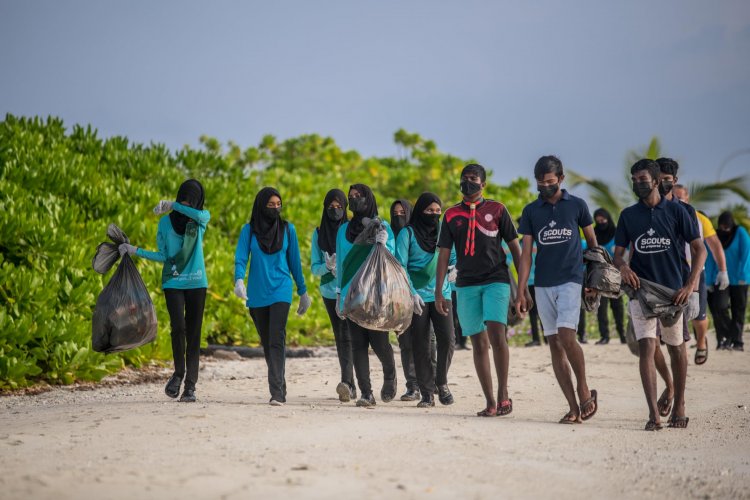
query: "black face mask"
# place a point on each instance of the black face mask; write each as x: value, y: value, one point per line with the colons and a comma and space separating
x: 432, y: 219
x: 665, y: 187
x: 357, y: 204
x: 398, y: 222
x: 548, y: 192
x: 642, y: 189
x: 469, y: 188
x: 271, y: 213
x: 335, y: 214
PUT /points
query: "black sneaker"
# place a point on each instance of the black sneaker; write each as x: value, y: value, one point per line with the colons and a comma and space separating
x: 366, y: 401
x: 188, y: 395
x: 427, y: 401
x: 410, y: 395
x: 444, y: 395
x: 738, y: 347
x: 603, y: 341
x: 388, y: 392
x: 344, y: 392
x: 172, y: 389
x: 533, y: 343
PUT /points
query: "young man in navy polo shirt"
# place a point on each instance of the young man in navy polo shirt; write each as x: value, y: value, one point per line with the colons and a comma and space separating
x: 553, y: 222
x: 477, y: 227
x: 657, y: 229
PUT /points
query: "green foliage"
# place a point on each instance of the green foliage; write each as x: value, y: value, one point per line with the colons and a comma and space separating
x: 59, y: 189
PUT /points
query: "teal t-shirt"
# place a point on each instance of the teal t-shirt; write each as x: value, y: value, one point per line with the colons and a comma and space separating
x: 169, y: 243
x: 318, y: 268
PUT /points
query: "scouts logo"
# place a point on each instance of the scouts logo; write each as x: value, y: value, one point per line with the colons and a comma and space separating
x: 552, y: 235
x: 651, y: 242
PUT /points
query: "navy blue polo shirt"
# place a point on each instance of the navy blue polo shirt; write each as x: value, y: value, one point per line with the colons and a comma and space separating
x: 658, y: 236
x: 559, y: 255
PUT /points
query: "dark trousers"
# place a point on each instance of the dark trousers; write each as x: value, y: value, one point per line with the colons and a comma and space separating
x: 582, y: 325
x: 428, y: 376
x: 186, y: 319
x: 602, y: 314
x: 270, y: 321
x: 362, y: 339
x: 534, y: 316
x: 728, y: 311
x: 405, y: 343
x: 343, y: 342
x: 460, y: 339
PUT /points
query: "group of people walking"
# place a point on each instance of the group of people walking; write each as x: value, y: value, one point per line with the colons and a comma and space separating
x: 457, y: 263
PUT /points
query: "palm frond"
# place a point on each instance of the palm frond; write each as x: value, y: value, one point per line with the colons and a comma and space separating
x: 704, y: 194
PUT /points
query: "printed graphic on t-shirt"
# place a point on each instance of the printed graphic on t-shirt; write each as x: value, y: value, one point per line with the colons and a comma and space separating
x: 652, y: 242
x: 553, y: 234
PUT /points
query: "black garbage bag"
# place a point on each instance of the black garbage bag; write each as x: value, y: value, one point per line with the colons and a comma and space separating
x: 124, y: 316
x: 602, y: 276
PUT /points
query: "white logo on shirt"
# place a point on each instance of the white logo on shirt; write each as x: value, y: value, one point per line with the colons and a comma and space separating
x: 651, y: 242
x: 549, y: 235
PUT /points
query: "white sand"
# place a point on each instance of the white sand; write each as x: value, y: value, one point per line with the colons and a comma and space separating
x: 133, y: 442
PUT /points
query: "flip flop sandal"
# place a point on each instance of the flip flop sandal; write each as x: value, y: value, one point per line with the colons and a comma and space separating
x: 588, y: 402
x: 678, y: 422
x: 505, y: 408
x: 701, y: 356
x: 664, y: 404
x: 653, y: 426
x: 576, y: 419
x: 487, y: 412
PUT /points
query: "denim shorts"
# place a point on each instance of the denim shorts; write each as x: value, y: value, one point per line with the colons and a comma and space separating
x: 558, y: 306
x: 481, y: 303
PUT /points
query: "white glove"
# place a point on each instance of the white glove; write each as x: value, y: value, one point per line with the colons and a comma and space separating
x: 330, y: 262
x: 338, y: 307
x: 163, y: 207
x: 304, y: 304
x: 381, y: 237
x: 452, y: 274
x: 239, y: 289
x: 722, y: 280
x: 126, y: 248
x: 418, y: 304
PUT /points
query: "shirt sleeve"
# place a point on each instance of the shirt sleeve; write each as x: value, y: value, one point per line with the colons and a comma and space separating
x: 242, y: 253
x: 161, y: 243
x: 622, y: 238
x: 584, y: 216
x: 403, y: 242
x: 391, y: 243
x: 507, y: 229
x: 445, y: 239
x: 200, y: 216
x: 340, y: 256
x: 295, y: 261
x: 525, y: 226
x: 708, y: 228
x: 317, y: 260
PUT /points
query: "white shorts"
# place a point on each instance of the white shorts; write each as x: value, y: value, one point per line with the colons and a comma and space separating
x: 645, y: 328
x: 558, y: 307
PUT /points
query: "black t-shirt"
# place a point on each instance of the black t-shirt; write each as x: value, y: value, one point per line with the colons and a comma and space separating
x: 487, y: 262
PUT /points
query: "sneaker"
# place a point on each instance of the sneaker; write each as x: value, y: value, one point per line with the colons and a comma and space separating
x: 388, y: 392
x: 275, y: 402
x: 366, y: 401
x: 738, y: 347
x: 603, y: 341
x: 533, y: 343
x: 172, y: 389
x: 344, y: 392
x: 188, y: 395
x: 444, y: 395
x: 428, y: 401
x: 410, y: 395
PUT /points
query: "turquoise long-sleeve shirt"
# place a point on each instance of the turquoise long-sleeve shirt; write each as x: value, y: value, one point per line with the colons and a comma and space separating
x: 343, y: 246
x: 413, y: 258
x: 318, y: 268
x: 270, y: 278
x: 738, y: 260
x: 169, y: 243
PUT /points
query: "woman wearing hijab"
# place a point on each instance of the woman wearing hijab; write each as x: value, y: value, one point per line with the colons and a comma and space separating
x: 605, y: 237
x: 736, y: 244
x: 400, y: 215
x: 270, y: 243
x: 323, y: 264
x: 349, y: 259
x: 179, y: 240
x: 415, y: 249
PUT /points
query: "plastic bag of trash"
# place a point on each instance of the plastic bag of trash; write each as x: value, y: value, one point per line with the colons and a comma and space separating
x: 124, y: 317
x: 379, y: 297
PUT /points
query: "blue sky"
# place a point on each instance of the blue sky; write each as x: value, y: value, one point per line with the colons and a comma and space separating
x: 502, y: 82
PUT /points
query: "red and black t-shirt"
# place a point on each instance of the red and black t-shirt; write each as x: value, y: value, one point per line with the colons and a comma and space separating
x: 477, y: 235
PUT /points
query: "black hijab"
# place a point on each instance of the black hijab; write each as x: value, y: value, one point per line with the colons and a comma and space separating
x: 396, y: 226
x: 726, y: 237
x: 190, y: 193
x: 425, y: 226
x: 370, y: 210
x: 604, y: 232
x: 328, y: 225
x: 268, y: 230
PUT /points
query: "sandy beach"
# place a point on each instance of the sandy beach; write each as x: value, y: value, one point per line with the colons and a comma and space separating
x: 131, y: 441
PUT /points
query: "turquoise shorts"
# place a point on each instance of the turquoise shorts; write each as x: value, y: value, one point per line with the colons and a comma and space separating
x: 479, y: 304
